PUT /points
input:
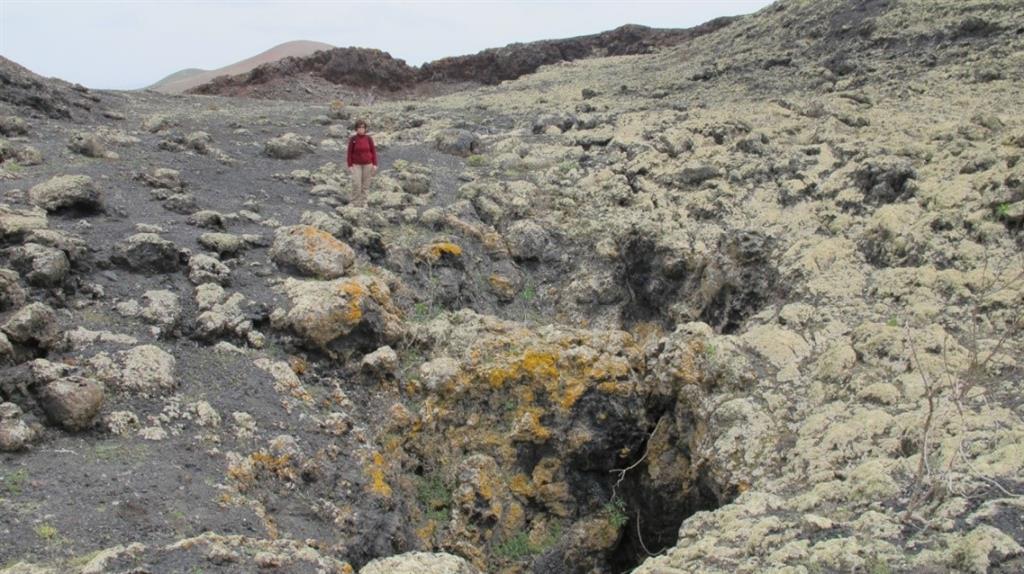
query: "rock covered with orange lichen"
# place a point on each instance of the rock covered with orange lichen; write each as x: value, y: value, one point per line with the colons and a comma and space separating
x: 329, y: 315
x: 310, y: 251
x: 553, y: 387
x: 531, y: 424
x: 440, y: 251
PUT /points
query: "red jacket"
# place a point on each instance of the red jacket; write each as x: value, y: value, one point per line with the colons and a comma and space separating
x: 361, y: 150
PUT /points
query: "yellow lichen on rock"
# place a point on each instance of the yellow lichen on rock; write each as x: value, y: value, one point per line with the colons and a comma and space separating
x: 520, y: 484
x: 280, y: 466
x: 572, y: 389
x: 312, y: 251
x: 352, y: 312
x: 433, y: 252
x: 317, y: 239
x: 540, y: 364
x: 528, y: 428
x: 375, y: 471
x: 501, y: 286
x: 241, y: 470
x: 425, y: 533
x: 324, y: 311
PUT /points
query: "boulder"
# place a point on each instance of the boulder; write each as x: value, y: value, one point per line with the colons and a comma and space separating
x: 89, y: 145
x: 183, y: 203
x: 383, y: 361
x: 199, y: 141
x: 13, y: 126
x: 35, y: 323
x: 7, y: 150
x: 15, y: 435
x: 41, y: 266
x: 563, y: 121
x: 66, y: 192
x: 6, y: 349
x: 29, y: 155
x: 527, y: 240
x: 146, y: 369
x: 72, y: 402
x: 458, y: 142
x: 420, y: 563
x: 157, y: 122
x: 15, y: 223
x: 288, y: 146
x: 74, y: 247
x: 439, y: 372
x: 208, y: 219
x: 324, y: 314
x: 162, y: 308
x: 11, y: 293
x: 223, y: 314
x: 414, y: 183
x: 163, y: 178
x: 148, y: 253
x: 310, y: 251
x: 222, y: 243
x: 203, y: 268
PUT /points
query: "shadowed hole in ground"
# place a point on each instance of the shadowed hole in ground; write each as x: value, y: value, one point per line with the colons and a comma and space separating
x: 667, y: 286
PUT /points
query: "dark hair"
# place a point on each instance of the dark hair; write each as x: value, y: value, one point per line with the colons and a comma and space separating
x: 358, y: 124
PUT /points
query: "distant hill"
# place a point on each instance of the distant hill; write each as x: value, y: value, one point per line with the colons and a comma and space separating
x: 52, y: 97
x: 182, y: 80
x: 341, y: 72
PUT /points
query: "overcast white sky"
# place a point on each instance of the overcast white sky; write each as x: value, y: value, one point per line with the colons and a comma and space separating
x: 125, y: 44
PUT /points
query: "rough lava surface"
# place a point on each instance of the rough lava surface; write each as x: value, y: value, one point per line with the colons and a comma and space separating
x: 750, y: 303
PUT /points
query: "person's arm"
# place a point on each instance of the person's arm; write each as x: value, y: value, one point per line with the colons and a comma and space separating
x: 351, y: 148
x: 373, y: 153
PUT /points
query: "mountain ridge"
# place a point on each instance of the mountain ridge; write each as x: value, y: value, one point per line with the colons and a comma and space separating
x: 188, y: 78
x: 372, y: 70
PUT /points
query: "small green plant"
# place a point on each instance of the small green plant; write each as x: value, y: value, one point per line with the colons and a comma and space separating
x: 893, y: 322
x: 46, y: 532
x: 125, y: 452
x: 1003, y: 209
x: 515, y: 548
x: 14, y: 482
x: 709, y: 351
x: 550, y: 539
x: 476, y: 160
x: 520, y: 546
x: 421, y: 312
x: 566, y: 166
x: 435, y: 494
x: 12, y: 166
x: 526, y: 296
x: 442, y: 516
x: 529, y: 292
x: 615, y: 509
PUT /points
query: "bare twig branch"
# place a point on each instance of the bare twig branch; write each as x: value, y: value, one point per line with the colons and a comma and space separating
x: 622, y: 471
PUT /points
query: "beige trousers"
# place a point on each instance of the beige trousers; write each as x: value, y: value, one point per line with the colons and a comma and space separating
x: 361, y: 176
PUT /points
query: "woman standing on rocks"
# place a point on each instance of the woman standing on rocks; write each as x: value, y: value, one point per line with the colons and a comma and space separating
x: 362, y: 163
